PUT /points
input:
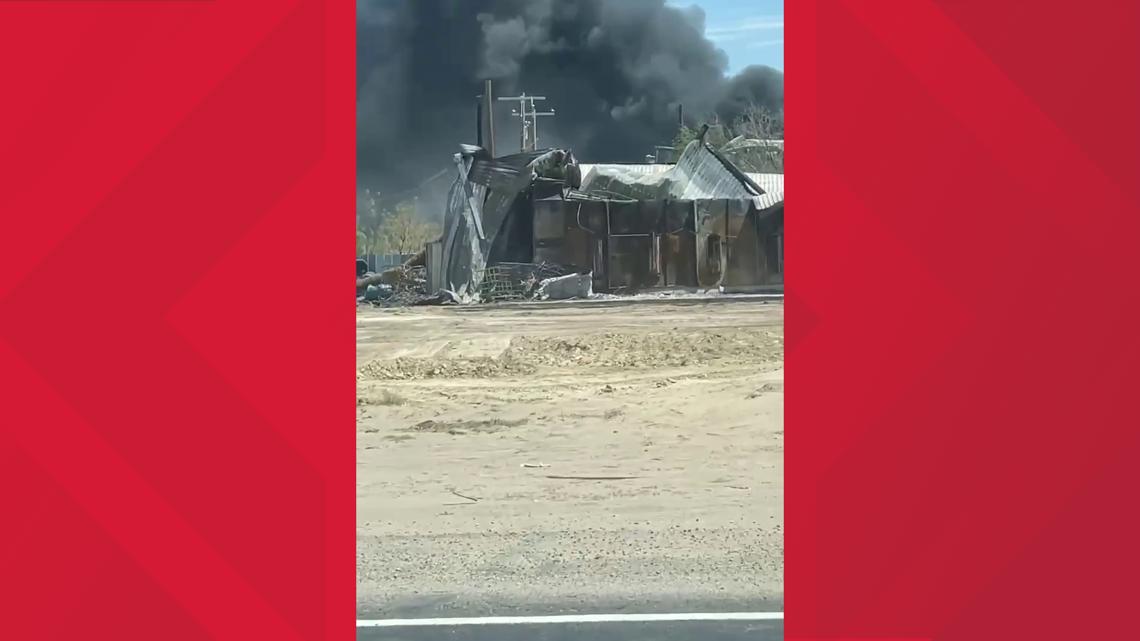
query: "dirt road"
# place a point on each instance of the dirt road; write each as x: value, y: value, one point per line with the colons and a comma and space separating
x: 569, y: 457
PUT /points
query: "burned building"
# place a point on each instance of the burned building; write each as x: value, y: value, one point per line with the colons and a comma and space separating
x: 700, y: 223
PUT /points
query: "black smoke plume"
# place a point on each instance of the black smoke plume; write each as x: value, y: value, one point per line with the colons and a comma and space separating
x: 614, y: 71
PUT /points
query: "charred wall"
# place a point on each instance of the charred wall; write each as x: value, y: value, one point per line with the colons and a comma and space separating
x: 634, y: 245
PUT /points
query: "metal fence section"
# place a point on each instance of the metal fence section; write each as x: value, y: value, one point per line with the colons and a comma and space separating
x: 514, y: 281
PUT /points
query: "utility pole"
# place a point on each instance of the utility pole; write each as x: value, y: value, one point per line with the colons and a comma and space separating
x: 528, y: 141
x: 485, y: 115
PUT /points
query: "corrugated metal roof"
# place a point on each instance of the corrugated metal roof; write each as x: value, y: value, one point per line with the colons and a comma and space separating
x: 699, y: 174
x: 587, y: 168
x: 773, y: 186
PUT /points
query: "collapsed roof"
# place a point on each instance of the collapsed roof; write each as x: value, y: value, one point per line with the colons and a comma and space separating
x: 481, y: 198
x: 489, y: 192
x: 700, y: 173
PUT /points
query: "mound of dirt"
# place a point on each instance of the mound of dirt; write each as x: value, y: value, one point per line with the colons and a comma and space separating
x: 528, y: 354
x: 674, y: 348
x: 421, y: 368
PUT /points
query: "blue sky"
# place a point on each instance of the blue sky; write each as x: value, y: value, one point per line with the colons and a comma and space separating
x: 751, y: 32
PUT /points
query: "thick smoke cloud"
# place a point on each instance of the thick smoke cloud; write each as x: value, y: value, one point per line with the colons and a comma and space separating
x: 614, y: 70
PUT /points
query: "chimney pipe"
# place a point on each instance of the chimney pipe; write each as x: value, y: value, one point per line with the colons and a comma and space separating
x: 680, y: 115
x: 490, y: 115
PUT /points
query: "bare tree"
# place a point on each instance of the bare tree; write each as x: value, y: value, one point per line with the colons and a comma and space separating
x: 760, y: 123
x: 753, y: 141
x: 404, y: 233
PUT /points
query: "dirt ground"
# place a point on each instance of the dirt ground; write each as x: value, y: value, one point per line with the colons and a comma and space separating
x: 573, y: 454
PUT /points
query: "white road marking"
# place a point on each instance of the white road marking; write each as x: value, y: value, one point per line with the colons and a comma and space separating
x: 573, y: 618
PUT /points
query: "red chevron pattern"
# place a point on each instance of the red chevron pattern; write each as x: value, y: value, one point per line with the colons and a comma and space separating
x: 176, y: 465
x: 176, y: 436
x: 962, y: 430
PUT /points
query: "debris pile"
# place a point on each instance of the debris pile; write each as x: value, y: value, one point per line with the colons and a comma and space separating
x: 396, y: 287
x: 566, y: 287
x: 517, y: 281
x: 407, y: 285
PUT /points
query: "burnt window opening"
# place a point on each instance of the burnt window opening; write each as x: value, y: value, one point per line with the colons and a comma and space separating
x: 712, y: 253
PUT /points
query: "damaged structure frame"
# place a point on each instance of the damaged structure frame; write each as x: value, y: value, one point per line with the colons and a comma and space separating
x: 699, y: 224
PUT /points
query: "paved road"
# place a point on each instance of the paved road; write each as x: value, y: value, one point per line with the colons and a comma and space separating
x: 672, y: 631
x: 706, y: 630
x: 699, y: 627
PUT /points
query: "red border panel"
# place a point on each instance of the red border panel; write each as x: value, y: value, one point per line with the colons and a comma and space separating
x: 176, y: 435
x: 962, y: 314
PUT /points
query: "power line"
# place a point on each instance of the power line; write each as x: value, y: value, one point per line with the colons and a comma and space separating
x: 528, y: 140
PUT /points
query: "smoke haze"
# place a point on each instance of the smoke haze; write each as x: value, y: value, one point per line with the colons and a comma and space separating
x: 613, y: 70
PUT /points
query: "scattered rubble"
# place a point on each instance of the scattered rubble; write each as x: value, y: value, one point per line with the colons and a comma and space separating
x: 407, y: 285
x: 399, y: 286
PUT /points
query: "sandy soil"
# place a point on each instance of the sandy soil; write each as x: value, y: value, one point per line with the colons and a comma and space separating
x: 569, y: 454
